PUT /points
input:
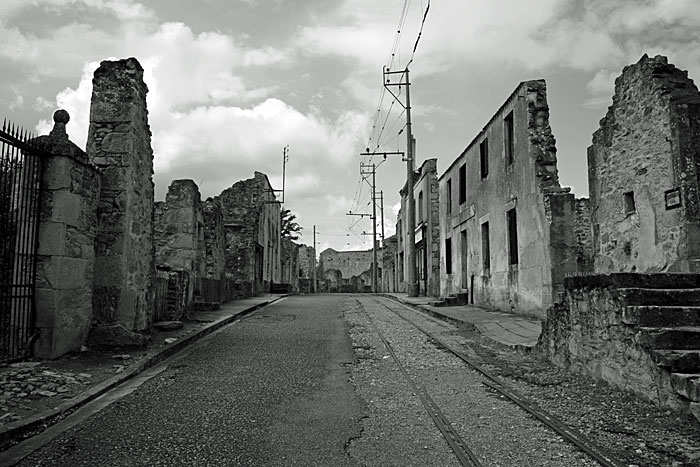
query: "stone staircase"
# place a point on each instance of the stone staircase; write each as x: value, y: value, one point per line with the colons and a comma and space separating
x: 198, y: 304
x: 459, y: 299
x: 667, y: 326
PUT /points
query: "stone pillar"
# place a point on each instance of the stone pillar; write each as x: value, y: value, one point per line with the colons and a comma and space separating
x: 119, y: 143
x: 66, y: 255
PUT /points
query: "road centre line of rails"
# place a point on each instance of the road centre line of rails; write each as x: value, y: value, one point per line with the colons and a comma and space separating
x: 570, y: 434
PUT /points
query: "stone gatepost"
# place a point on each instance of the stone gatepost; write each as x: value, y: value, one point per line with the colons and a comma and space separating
x: 66, y: 255
x: 119, y: 144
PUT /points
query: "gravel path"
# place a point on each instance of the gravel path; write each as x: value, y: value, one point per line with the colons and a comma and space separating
x: 497, y: 431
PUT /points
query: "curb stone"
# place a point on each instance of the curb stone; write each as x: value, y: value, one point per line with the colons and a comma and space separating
x: 33, y: 425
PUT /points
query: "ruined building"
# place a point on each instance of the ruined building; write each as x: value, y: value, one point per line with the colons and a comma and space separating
x: 427, y: 233
x: 631, y: 324
x: 506, y: 224
x: 252, y: 225
x: 347, y: 271
x: 389, y: 260
x: 643, y: 173
x: 180, y: 248
x: 307, y: 264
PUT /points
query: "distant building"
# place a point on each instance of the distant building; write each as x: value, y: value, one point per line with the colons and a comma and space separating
x: 427, y: 232
x: 347, y: 271
x: 252, y: 226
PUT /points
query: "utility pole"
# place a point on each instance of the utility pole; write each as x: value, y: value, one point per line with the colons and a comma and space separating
x: 410, y: 169
x: 314, y: 261
x: 371, y: 169
x: 381, y: 199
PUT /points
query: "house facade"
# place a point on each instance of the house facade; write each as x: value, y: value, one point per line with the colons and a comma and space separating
x: 427, y: 232
x: 507, y: 226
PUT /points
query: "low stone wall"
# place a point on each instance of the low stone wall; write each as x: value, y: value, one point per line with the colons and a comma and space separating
x: 586, y: 332
x: 172, y: 294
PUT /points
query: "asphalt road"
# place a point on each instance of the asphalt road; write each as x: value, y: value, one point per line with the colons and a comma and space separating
x: 272, y: 389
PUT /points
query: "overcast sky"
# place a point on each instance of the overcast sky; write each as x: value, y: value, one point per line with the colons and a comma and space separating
x: 234, y: 81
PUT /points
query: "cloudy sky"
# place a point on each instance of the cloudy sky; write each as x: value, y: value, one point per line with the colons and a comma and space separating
x: 232, y: 82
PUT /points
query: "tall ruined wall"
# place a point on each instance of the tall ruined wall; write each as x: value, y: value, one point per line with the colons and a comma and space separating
x: 179, y: 229
x: 290, y: 265
x: 389, y: 259
x: 643, y: 174
x: 214, y: 239
x: 119, y: 144
x: 584, y: 235
x: 306, y: 261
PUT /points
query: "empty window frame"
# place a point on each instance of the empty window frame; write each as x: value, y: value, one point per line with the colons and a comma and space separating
x: 448, y: 204
x: 448, y: 256
x: 512, y: 221
x: 463, y: 184
x: 485, y: 248
x: 628, y: 201
x: 420, y: 206
x: 508, y: 141
x: 484, y: 157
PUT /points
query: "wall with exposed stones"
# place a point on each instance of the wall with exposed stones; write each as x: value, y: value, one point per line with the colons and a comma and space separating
x: 119, y: 144
x: 290, y: 265
x: 584, y: 235
x: 306, y: 265
x: 643, y: 172
x: 214, y: 239
x: 252, y: 227
x: 66, y: 255
x: 518, y: 177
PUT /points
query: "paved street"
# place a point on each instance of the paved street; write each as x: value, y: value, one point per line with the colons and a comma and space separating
x: 271, y: 389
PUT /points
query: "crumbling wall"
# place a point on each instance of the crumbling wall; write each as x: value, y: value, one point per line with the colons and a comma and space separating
x: 290, y: 265
x: 214, y: 239
x: 252, y: 226
x: 643, y: 174
x: 119, y: 144
x: 584, y: 236
x: 66, y: 256
x: 349, y: 263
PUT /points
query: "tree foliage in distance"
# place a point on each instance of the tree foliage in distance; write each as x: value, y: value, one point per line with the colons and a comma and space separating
x: 290, y: 228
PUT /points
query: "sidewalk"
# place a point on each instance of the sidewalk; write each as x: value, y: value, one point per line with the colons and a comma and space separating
x: 35, y: 393
x: 516, y: 332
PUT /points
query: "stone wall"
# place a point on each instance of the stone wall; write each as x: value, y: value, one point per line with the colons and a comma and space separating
x: 595, y: 330
x: 119, y: 144
x: 584, y: 235
x: 252, y: 226
x: 306, y: 265
x: 214, y: 239
x: 519, y: 179
x: 290, y: 265
x: 348, y: 263
x: 643, y: 172
x: 66, y: 255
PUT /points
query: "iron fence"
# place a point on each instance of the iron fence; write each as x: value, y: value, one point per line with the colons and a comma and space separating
x: 20, y: 184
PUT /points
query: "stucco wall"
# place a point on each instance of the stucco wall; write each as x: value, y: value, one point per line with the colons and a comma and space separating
x: 647, y: 145
x: 530, y: 186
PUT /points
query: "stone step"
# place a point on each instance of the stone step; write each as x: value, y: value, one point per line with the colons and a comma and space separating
x: 659, y: 297
x: 206, y: 306
x: 679, y: 338
x: 662, y: 316
x: 677, y: 361
x: 437, y: 303
x: 459, y: 299
x: 686, y: 385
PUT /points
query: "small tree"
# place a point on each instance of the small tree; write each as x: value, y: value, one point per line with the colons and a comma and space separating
x: 290, y: 228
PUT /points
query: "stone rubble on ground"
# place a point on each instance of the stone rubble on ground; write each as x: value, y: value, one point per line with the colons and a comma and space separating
x: 22, y: 382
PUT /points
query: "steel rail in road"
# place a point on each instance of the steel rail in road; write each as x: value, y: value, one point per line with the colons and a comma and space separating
x: 572, y: 435
x: 466, y: 456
